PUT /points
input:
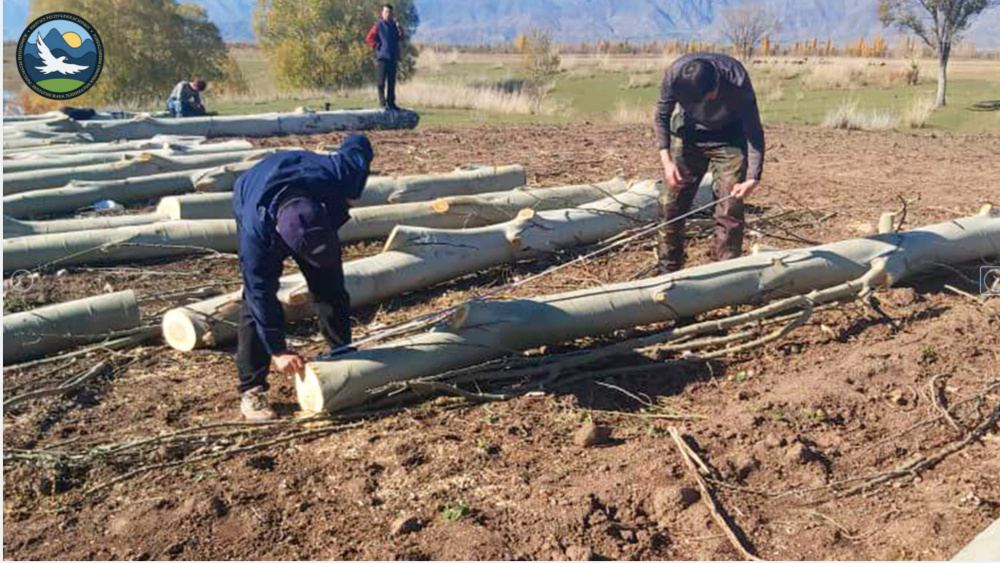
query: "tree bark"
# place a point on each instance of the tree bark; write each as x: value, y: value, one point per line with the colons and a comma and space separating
x: 452, y: 212
x: 79, y: 194
x: 259, y: 125
x: 13, y: 228
x: 124, y: 244
x: 466, y: 180
x: 486, y: 330
x: 144, y: 164
x: 81, y: 158
x: 944, y: 54
x: 42, y: 331
x: 416, y: 258
x: 175, y: 142
x: 76, y: 195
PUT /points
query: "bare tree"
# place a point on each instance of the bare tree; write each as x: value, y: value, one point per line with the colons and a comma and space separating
x: 939, y: 23
x: 745, y: 26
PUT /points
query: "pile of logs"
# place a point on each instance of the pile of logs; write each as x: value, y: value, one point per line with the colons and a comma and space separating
x: 437, y: 227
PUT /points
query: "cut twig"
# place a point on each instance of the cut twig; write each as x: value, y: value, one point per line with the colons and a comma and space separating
x: 67, y: 386
x: 695, y: 466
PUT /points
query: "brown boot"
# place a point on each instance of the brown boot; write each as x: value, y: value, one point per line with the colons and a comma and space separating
x: 254, y: 405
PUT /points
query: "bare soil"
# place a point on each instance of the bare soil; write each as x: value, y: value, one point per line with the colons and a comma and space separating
x: 845, y: 396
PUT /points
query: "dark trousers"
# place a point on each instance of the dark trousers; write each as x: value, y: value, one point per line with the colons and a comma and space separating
x: 386, y: 82
x: 727, y: 160
x: 333, y: 306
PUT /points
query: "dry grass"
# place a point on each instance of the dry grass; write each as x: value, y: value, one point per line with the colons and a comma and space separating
x: 616, y: 63
x: 455, y: 95
x: 433, y: 59
x: 640, y: 80
x: 849, y: 116
x: 625, y: 114
x: 918, y: 113
x: 842, y: 74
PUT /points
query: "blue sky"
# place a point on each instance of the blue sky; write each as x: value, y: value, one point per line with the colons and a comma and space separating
x: 63, y: 26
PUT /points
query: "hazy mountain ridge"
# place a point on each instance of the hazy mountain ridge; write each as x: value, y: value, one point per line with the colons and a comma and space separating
x: 490, y: 21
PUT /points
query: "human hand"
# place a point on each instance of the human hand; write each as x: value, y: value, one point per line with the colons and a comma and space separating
x: 744, y: 189
x: 672, y: 174
x: 289, y: 363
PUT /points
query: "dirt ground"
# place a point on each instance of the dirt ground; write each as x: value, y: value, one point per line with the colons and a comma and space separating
x: 784, y: 426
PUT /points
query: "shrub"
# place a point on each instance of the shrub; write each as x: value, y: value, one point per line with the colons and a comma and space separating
x: 142, y: 67
x: 321, y: 43
x: 849, y: 116
x: 919, y: 112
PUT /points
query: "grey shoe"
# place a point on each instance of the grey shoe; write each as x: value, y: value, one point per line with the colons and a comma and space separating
x: 254, y: 405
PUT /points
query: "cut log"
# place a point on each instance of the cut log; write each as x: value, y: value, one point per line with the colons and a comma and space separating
x: 36, y: 333
x: 466, y: 180
x: 143, y: 164
x: 416, y: 258
x: 157, y: 142
x: 78, y: 195
x: 16, y: 228
x: 124, y: 244
x: 481, y: 331
x: 466, y: 211
x: 455, y: 212
x: 983, y: 547
x: 381, y: 190
x: 259, y: 125
x: 80, y: 158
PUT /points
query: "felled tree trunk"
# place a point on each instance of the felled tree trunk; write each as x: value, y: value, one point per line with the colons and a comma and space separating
x: 465, y: 180
x: 466, y: 211
x: 416, y: 258
x: 453, y: 212
x: 81, y: 158
x: 486, y: 330
x: 77, y: 195
x: 124, y: 244
x: 16, y: 228
x: 259, y: 125
x: 381, y: 190
x: 144, y: 164
x: 42, y: 331
x: 174, y: 142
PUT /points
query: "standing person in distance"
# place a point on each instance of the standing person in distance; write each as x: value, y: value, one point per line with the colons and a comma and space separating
x: 385, y: 38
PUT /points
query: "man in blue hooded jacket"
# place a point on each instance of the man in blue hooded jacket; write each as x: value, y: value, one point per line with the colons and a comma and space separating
x: 291, y: 204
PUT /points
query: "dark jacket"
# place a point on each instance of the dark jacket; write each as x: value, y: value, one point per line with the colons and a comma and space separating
x: 733, y: 113
x: 330, y: 178
x: 384, y: 37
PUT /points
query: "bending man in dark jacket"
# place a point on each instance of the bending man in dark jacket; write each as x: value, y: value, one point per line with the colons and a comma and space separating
x: 291, y: 204
x: 717, y: 129
x: 384, y: 38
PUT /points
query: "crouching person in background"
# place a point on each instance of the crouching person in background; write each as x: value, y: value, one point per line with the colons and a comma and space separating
x: 185, y: 98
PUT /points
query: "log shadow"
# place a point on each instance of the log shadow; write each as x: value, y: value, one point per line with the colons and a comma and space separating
x: 642, y: 390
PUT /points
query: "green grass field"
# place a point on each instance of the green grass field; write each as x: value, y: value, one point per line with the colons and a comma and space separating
x: 59, y: 85
x: 624, y: 89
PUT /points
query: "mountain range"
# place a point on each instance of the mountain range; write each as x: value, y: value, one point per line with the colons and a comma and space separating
x: 472, y: 22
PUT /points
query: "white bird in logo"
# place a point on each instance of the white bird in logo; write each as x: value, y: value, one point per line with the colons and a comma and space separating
x: 53, y: 64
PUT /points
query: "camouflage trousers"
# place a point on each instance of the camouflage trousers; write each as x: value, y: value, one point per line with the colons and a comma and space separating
x: 727, y: 161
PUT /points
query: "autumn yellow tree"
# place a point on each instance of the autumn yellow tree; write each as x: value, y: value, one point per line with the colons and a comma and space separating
x: 321, y: 43
x: 142, y: 65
